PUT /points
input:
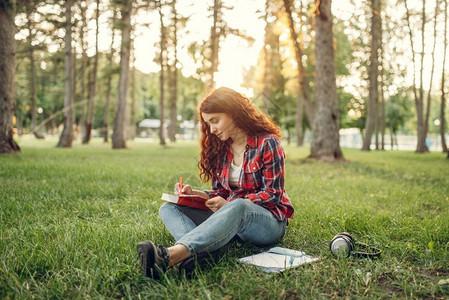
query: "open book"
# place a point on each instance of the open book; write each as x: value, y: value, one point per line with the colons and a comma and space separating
x: 278, y: 259
x: 186, y: 200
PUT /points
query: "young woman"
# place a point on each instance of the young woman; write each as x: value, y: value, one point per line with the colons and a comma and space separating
x: 242, y: 155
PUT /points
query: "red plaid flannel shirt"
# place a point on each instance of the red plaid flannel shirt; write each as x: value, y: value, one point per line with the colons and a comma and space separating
x: 261, y: 179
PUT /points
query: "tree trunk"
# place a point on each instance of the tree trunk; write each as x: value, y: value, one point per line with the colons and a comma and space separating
x: 66, y: 138
x: 109, y: 82
x: 92, y: 83
x: 382, y: 109
x: 72, y: 96
x: 32, y: 74
x: 173, y: 108
x: 381, y: 90
x: 266, y: 74
x: 84, y: 65
x: 325, y: 144
x: 443, y: 95
x: 421, y: 145
x: 373, y: 75
x: 7, y: 69
x: 132, y: 113
x: 118, y: 137
x: 304, y: 93
x: 429, y: 98
x: 174, y: 79
x: 214, y: 43
x: 162, y: 79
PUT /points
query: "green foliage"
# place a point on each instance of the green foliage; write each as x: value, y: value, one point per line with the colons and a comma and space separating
x: 343, y: 55
x: 70, y: 220
x: 398, y: 111
x: 345, y: 104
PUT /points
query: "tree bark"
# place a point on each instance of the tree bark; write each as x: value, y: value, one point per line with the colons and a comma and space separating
x: 66, y: 138
x: 325, y: 144
x: 421, y: 145
x: 132, y: 114
x: 429, y: 97
x: 109, y: 81
x: 162, y: 79
x: 443, y: 95
x: 32, y: 74
x: 266, y: 74
x: 214, y: 43
x: 7, y: 69
x: 174, y: 79
x: 382, y: 107
x: 376, y: 27
x: 92, y: 83
x: 84, y: 65
x: 118, y: 137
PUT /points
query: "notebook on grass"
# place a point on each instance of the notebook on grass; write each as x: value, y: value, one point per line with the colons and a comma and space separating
x: 278, y: 259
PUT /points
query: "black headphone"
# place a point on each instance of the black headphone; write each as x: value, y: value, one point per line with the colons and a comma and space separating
x: 343, y: 245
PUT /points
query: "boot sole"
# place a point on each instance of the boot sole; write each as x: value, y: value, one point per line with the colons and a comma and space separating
x: 146, y: 253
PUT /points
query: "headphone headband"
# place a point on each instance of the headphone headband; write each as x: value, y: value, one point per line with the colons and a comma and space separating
x: 343, y: 245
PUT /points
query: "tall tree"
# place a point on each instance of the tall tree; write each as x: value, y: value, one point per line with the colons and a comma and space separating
x: 131, y: 132
x: 267, y: 62
x: 382, y: 104
x: 92, y: 82
x: 429, y: 98
x: 66, y: 138
x: 325, y: 143
x: 162, y: 63
x: 372, y: 114
x: 30, y: 8
x: 304, y: 90
x: 215, y: 33
x: 443, y: 94
x: 174, y: 76
x: 109, y: 75
x: 419, y: 97
x: 7, y: 69
x: 118, y: 137
x: 84, y: 63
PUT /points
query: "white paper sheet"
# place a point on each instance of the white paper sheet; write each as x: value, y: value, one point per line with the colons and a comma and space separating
x: 278, y: 259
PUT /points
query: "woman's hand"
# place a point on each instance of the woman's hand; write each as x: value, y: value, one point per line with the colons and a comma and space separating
x: 186, y: 189
x: 215, y: 203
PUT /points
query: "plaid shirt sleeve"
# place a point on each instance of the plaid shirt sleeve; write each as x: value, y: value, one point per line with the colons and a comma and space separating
x: 217, y: 190
x: 272, y: 187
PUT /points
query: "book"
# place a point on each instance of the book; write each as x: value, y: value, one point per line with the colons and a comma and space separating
x: 278, y: 259
x: 194, y: 201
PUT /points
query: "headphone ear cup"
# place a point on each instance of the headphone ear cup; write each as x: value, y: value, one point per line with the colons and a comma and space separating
x: 350, y: 239
x: 342, y: 244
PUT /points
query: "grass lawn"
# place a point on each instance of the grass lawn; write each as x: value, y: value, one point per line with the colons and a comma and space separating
x: 70, y: 220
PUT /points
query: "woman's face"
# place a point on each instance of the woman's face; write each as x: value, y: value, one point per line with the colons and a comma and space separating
x: 220, y: 124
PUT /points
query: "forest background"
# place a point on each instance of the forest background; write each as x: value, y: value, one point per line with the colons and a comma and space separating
x: 70, y: 218
x: 125, y: 61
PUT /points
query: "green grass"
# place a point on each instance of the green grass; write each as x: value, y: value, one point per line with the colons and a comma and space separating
x: 70, y: 220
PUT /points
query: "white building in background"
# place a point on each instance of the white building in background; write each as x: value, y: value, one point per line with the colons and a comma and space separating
x: 149, y: 128
x: 351, y: 138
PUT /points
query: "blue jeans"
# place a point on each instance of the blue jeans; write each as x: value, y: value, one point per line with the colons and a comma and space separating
x: 205, y: 231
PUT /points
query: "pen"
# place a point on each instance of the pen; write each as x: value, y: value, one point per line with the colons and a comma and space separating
x: 181, y: 185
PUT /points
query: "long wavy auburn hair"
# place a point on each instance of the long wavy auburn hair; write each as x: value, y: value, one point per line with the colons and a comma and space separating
x: 245, y: 116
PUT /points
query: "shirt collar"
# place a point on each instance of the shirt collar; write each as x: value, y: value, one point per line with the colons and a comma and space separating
x: 252, y: 141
